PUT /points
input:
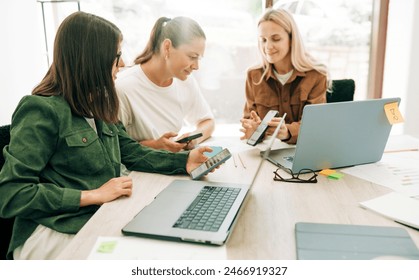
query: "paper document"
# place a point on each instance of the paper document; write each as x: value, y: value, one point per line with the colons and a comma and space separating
x: 397, y: 171
x: 397, y: 207
x: 136, y: 248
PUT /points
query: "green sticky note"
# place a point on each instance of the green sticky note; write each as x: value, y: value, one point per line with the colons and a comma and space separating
x: 106, y: 247
x: 335, y: 176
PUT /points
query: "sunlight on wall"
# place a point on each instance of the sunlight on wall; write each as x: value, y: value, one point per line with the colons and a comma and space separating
x: 23, y: 60
x: 398, y: 53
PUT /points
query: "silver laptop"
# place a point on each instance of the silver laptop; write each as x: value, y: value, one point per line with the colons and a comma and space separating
x: 175, y: 214
x: 334, y: 135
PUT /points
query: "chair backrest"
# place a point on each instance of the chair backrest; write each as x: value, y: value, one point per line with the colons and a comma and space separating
x: 4, y: 140
x: 342, y: 90
x: 6, y: 225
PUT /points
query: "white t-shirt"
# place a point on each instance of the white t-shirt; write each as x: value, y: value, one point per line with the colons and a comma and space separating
x: 148, y: 111
x: 283, y: 78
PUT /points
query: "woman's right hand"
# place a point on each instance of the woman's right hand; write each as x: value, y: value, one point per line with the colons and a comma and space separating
x: 111, y: 190
x: 165, y: 142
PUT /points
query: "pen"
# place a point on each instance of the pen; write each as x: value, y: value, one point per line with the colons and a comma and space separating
x: 241, y: 160
x: 403, y: 150
x: 234, y: 159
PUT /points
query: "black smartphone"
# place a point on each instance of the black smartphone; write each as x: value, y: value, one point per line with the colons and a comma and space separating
x: 189, y: 138
x: 257, y: 136
x: 210, y: 164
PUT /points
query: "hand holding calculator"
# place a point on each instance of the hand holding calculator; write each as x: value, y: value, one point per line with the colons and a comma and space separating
x: 210, y: 164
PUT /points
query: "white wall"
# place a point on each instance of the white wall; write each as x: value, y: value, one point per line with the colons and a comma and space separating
x: 401, y: 64
x: 412, y: 102
x: 22, y: 59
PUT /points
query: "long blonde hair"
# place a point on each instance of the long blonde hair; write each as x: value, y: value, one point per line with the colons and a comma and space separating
x: 300, y: 59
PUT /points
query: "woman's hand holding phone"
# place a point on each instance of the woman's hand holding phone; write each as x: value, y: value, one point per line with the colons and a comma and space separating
x: 283, y: 131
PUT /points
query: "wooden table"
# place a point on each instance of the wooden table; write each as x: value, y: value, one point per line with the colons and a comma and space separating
x: 265, y: 227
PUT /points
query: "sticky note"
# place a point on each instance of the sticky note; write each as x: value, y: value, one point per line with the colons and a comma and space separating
x: 393, y: 113
x: 327, y: 172
x: 106, y: 247
x: 335, y: 176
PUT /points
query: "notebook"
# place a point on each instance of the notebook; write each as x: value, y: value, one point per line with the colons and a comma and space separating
x: 334, y: 135
x: 317, y: 241
x: 396, y: 206
x: 180, y: 211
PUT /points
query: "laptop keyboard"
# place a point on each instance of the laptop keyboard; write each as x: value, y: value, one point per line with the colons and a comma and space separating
x: 209, y: 209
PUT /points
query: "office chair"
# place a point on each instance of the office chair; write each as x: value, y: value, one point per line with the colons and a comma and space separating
x: 6, y: 225
x: 4, y: 140
x: 342, y: 90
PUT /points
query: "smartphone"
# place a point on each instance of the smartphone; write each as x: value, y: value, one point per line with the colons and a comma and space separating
x: 257, y: 136
x: 189, y: 138
x: 210, y: 164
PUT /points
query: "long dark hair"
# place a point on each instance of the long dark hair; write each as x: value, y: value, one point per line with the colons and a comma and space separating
x: 85, y: 48
x: 179, y: 30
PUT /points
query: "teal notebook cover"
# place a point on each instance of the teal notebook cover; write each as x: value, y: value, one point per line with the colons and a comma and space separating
x: 317, y: 241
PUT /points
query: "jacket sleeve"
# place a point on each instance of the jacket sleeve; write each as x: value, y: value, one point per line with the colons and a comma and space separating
x: 318, y: 93
x: 34, y: 132
x: 315, y: 95
x: 137, y: 157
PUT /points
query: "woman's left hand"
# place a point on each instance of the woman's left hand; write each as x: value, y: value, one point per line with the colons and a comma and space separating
x: 196, y: 158
x: 250, y: 125
x: 283, y: 131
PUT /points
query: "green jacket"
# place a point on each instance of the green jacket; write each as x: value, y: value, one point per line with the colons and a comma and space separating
x: 53, y: 155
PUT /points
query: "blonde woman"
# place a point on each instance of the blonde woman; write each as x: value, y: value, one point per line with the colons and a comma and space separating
x: 288, y: 79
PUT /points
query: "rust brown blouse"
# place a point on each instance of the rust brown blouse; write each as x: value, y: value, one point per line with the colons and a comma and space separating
x: 300, y: 89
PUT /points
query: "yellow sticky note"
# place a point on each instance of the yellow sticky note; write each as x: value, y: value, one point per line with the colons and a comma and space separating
x: 327, y: 172
x: 106, y: 247
x: 393, y: 113
x: 335, y: 176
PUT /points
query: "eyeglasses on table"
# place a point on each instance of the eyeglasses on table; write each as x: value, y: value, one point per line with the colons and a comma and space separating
x: 296, y: 177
